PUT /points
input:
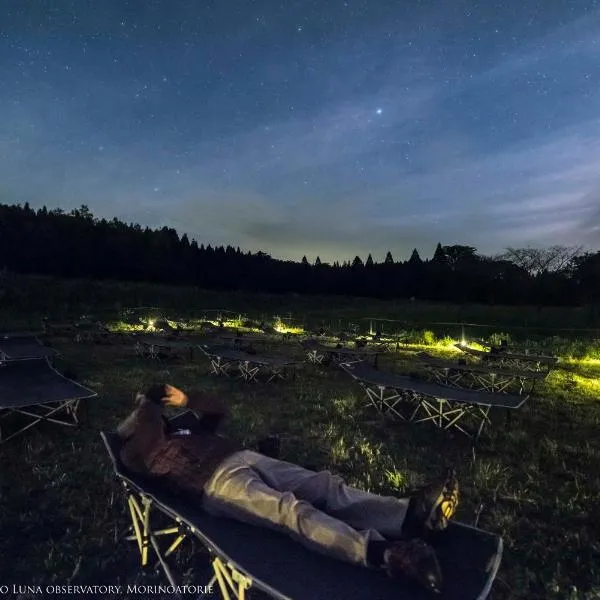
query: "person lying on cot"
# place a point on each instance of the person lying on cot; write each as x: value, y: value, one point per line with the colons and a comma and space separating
x: 317, y: 509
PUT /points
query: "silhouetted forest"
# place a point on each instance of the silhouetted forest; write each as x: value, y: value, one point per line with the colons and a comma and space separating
x: 52, y: 242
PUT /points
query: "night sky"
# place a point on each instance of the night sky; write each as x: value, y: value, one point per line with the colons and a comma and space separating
x: 330, y: 128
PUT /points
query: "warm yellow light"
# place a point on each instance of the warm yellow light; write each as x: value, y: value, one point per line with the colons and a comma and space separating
x: 281, y: 327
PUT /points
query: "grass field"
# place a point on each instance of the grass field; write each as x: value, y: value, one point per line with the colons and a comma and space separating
x: 537, y: 483
x: 32, y: 297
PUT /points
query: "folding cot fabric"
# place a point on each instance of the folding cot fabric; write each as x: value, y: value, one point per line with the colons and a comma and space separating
x: 23, y: 347
x: 36, y: 390
x: 224, y: 358
x: 240, y: 341
x: 59, y: 328
x: 444, y: 406
x: 150, y: 346
x: 245, y: 556
x: 313, y: 351
x: 7, y: 335
x: 316, y: 353
x: 481, y: 376
x: 503, y: 346
x: 510, y: 359
x: 269, y: 329
x: 380, y: 344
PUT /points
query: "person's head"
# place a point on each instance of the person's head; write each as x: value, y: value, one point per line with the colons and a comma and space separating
x: 156, y: 392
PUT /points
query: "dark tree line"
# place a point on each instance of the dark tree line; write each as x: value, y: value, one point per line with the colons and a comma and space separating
x: 52, y: 242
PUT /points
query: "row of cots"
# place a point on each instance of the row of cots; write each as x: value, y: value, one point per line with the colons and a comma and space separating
x: 245, y: 556
x: 457, y: 395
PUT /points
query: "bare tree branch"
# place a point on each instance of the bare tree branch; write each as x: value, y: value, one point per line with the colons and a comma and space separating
x: 535, y: 261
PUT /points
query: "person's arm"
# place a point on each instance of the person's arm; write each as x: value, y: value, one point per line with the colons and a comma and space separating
x: 211, y: 408
x: 144, y: 434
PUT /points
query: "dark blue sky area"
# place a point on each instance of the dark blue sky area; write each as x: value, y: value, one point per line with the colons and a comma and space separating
x: 321, y: 128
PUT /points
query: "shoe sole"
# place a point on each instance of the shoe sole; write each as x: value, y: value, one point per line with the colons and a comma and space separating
x: 443, y: 509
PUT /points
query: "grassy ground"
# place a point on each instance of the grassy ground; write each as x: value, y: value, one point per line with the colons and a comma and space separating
x: 537, y: 484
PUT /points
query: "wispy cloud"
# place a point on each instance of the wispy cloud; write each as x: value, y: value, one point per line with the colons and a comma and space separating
x: 378, y: 164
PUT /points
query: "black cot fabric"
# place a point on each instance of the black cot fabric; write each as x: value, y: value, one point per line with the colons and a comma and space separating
x: 469, y: 557
x: 32, y: 382
x: 478, y: 367
x: 232, y: 354
x: 21, y: 348
x: 163, y: 342
x: 7, y: 335
x: 315, y: 345
x: 500, y: 356
x: 367, y: 374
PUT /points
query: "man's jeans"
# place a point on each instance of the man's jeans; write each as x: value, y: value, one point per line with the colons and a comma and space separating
x: 316, y: 509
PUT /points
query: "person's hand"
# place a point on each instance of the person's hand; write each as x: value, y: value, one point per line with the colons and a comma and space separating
x: 174, y: 397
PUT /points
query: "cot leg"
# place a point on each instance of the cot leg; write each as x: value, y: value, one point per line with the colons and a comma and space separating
x: 485, y: 419
x: 136, y: 517
x: 146, y: 534
x: 146, y: 538
x: 162, y: 561
x: 232, y: 583
x: 140, y: 518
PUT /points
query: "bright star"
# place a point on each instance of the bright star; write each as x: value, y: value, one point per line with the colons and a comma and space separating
x: 379, y: 111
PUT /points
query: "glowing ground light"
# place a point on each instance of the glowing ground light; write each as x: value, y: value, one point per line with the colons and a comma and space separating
x: 285, y: 329
x: 280, y: 327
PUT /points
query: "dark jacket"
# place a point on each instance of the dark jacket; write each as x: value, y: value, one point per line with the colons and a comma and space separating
x: 186, y: 461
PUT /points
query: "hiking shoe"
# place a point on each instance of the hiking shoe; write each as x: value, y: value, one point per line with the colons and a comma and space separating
x: 432, y: 507
x: 415, y: 560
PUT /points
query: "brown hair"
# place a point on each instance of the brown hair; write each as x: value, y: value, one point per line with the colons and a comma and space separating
x: 156, y: 392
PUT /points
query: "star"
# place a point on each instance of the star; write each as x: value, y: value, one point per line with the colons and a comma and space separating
x: 193, y: 91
